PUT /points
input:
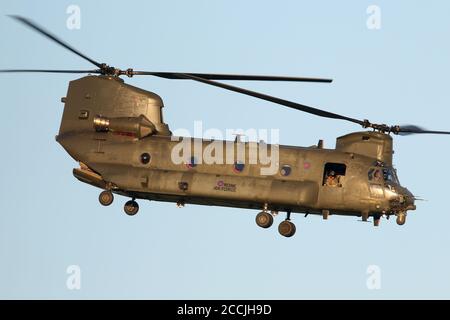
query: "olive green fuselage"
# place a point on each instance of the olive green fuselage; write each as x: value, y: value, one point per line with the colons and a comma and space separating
x: 113, y: 160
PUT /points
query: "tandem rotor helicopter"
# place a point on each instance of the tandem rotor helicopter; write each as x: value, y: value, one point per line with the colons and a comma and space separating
x: 117, y: 134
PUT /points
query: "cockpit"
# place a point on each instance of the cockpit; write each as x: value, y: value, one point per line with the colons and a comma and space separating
x: 382, y: 175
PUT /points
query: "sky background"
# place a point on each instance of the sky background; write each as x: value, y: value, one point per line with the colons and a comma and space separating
x: 396, y: 75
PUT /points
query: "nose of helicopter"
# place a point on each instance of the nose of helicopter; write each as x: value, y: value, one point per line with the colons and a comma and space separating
x: 408, y: 199
x: 400, y: 198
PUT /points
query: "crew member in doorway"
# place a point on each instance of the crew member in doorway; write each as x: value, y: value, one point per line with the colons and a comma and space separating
x: 332, y: 179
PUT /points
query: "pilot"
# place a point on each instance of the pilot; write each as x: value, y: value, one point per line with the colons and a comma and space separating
x: 332, y: 180
x: 377, y: 176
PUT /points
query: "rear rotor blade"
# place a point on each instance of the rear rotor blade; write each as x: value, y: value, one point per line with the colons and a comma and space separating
x: 39, y: 29
x: 290, y: 104
x: 47, y: 71
x: 219, y: 76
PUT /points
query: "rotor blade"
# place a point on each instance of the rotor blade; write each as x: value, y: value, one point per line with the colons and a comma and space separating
x: 290, y: 104
x: 39, y: 29
x: 218, y: 76
x: 411, y: 129
x: 47, y: 71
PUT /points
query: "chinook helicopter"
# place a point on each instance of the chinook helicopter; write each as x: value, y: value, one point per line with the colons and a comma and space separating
x: 117, y: 134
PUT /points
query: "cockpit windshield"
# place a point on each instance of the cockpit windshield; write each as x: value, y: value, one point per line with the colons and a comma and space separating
x: 390, y: 175
x: 383, y: 175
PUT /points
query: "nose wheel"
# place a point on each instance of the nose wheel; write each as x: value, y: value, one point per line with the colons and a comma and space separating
x: 401, y: 218
x: 131, y: 207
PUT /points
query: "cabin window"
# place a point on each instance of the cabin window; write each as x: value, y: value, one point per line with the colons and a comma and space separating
x: 238, y: 167
x: 334, y: 174
x: 183, y: 185
x: 145, y: 158
x: 83, y: 115
x: 285, y: 170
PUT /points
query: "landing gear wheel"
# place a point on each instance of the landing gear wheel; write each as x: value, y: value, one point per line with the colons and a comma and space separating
x: 401, y: 219
x: 264, y: 219
x: 106, y: 198
x: 286, y: 228
x: 131, y: 208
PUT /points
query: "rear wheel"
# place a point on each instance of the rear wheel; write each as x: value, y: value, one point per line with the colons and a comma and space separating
x: 131, y: 208
x: 286, y: 228
x: 106, y: 198
x: 264, y: 219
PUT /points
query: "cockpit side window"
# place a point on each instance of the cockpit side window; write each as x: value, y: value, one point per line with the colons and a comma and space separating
x: 334, y: 174
x: 390, y: 175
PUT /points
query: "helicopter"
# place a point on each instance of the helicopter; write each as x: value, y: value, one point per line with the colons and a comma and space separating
x: 117, y: 134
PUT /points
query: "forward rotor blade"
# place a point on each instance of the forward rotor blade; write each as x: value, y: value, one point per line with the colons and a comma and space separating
x: 290, y: 104
x: 39, y: 29
x: 411, y: 129
x: 218, y: 76
x: 47, y: 71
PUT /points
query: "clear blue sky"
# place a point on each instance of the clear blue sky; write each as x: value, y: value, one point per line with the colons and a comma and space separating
x: 398, y: 74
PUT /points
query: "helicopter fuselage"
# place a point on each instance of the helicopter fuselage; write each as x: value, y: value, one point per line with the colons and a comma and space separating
x: 118, y: 162
x: 117, y: 134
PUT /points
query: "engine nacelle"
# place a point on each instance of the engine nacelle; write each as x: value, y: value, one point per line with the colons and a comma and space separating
x: 138, y: 127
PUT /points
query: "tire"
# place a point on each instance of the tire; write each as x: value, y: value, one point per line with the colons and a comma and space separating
x: 264, y: 220
x: 106, y: 198
x: 286, y: 228
x: 401, y: 219
x: 131, y: 207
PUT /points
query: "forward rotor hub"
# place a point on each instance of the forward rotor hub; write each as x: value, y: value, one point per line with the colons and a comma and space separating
x: 107, y: 70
